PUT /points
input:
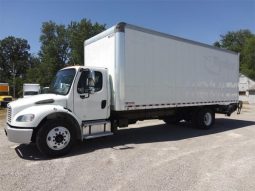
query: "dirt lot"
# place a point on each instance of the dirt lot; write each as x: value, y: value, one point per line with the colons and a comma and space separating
x: 155, y: 157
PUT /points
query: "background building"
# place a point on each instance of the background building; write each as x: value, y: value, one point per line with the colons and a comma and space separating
x: 246, y: 89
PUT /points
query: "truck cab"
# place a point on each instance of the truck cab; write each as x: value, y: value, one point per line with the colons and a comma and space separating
x: 78, y: 100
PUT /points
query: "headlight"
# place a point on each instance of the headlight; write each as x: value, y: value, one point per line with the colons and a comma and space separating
x: 25, y: 118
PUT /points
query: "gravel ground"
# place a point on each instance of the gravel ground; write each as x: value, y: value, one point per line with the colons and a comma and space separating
x: 156, y: 157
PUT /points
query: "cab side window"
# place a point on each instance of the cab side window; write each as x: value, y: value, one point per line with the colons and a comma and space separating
x: 85, y: 82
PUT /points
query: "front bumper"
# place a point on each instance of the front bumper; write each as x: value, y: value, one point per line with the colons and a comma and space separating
x: 18, y: 135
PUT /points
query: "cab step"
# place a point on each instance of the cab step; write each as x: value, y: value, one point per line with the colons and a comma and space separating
x: 97, y: 135
x: 94, y: 129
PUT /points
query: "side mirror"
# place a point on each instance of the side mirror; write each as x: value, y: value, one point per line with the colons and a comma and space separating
x: 91, y: 84
x: 86, y: 85
x: 91, y: 90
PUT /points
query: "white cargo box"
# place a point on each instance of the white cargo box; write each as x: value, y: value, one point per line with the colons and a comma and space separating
x: 149, y: 69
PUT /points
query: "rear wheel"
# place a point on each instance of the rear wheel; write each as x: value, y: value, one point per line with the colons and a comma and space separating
x: 204, y: 118
x: 55, y: 138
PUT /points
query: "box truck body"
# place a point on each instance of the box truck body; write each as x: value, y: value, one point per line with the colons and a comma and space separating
x: 31, y: 89
x: 130, y: 74
x: 149, y: 69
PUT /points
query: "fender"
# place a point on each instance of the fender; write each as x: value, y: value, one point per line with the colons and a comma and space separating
x: 41, y: 112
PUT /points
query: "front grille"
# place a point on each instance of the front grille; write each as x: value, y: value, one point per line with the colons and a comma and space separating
x: 9, y: 114
x: 8, y: 99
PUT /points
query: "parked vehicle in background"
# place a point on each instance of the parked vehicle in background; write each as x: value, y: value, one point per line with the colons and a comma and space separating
x: 5, y: 98
x: 45, y: 90
x: 130, y: 74
x: 31, y: 89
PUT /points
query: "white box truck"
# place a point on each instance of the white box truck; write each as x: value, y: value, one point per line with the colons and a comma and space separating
x: 31, y: 89
x: 130, y: 74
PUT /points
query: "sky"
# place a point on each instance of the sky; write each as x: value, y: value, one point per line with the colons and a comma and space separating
x: 199, y: 20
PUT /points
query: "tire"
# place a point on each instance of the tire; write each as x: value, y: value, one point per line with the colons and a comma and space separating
x: 203, y: 119
x: 55, y: 138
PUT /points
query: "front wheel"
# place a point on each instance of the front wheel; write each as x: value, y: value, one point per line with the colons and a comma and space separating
x: 55, y: 138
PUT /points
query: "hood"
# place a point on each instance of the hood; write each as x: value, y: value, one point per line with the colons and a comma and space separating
x: 50, y: 99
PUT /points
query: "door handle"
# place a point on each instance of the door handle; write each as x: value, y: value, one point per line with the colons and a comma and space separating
x: 103, y: 104
x: 82, y: 96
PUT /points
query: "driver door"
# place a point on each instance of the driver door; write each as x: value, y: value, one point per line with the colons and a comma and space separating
x: 91, y: 99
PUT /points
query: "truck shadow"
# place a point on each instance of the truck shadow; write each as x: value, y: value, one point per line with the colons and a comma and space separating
x: 149, y: 134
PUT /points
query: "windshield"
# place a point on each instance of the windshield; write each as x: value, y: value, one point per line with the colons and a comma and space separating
x: 62, y: 82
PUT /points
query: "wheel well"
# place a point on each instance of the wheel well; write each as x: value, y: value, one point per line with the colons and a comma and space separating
x: 59, y: 116
x: 187, y: 112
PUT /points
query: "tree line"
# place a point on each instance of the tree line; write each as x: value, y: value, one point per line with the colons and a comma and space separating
x: 62, y: 45
x: 242, y: 41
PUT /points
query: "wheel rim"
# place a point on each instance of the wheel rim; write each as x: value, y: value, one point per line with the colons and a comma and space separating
x: 208, y: 119
x: 58, y: 138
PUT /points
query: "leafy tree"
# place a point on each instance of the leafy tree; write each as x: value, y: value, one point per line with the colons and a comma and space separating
x: 248, y: 66
x: 234, y: 41
x: 54, y: 50
x: 14, y: 61
x: 62, y: 46
x: 33, y: 74
x: 240, y: 41
x: 78, y: 33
